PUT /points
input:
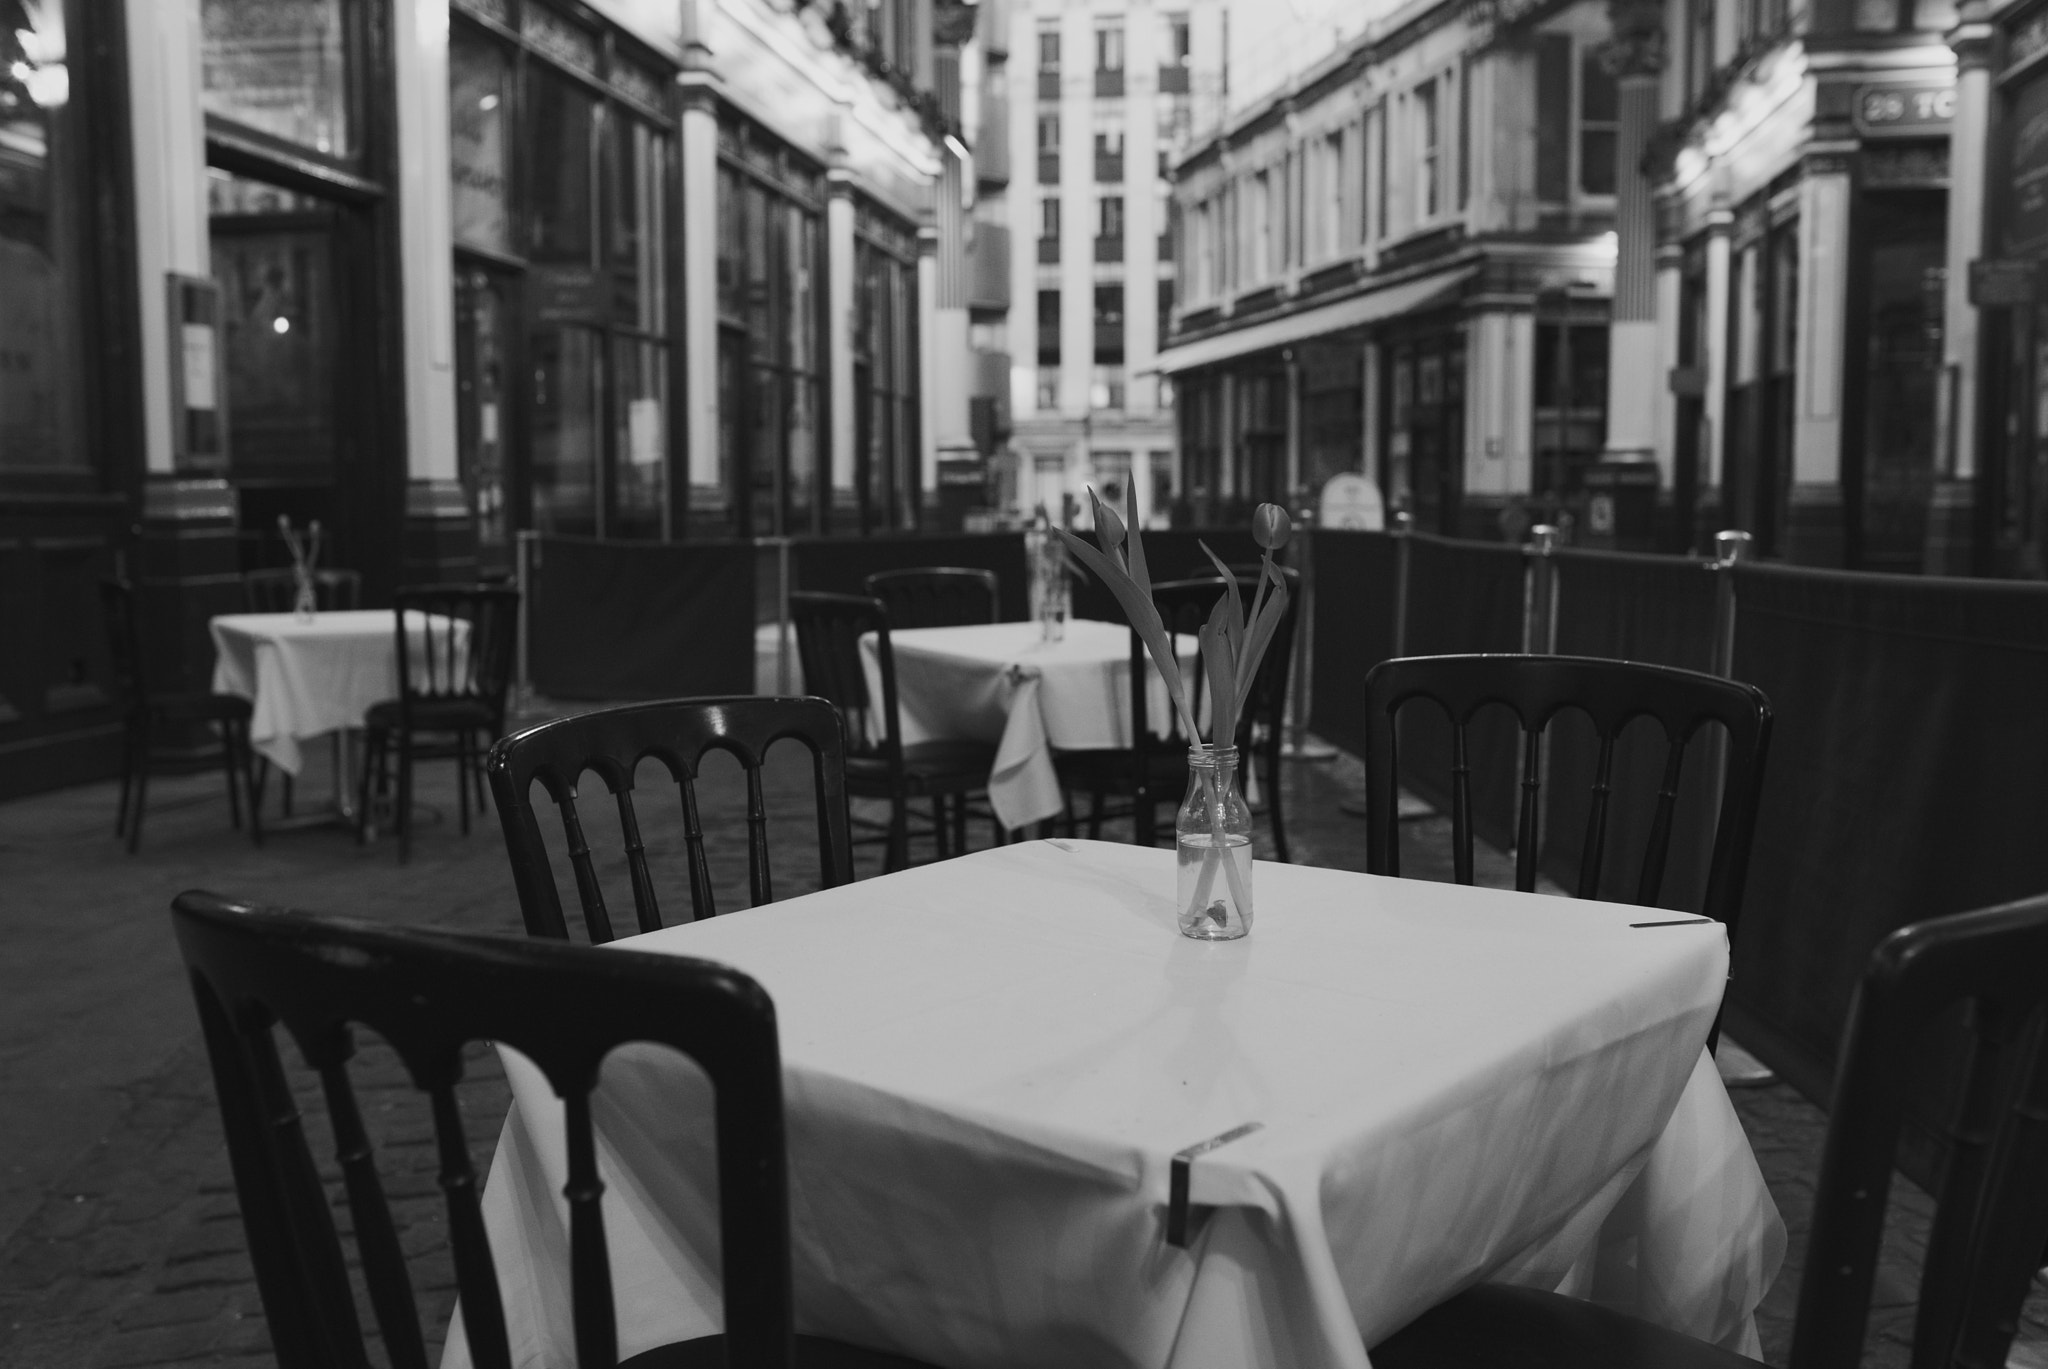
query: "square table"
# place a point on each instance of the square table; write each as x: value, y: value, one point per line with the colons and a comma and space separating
x: 1004, y: 683
x: 990, y: 1064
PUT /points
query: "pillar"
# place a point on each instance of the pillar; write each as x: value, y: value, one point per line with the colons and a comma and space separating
x: 1952, y: 514
x: 927, y: 373
x: 1369, y: 411
x: 840, y: 341
x: 1813, y: 520
x: 1077, y: 210
x: 1291, y: 483
x: 1635, y: 55
x: 711, y: 499
x: 1713, y: 443
x: 439, y: 542
x: 1670, y: 287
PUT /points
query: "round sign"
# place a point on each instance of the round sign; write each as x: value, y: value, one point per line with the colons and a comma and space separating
x: 1353, y: 502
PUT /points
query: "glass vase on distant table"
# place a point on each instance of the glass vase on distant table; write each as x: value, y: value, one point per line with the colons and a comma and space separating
x: 305, y: 599
x: 1213, y: 849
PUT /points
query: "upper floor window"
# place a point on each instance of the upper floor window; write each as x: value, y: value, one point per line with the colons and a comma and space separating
x: 1049, y: 49
x: 1599, y: 125
x: 282, y: 69
x: 1048, y: 133
x: 1109, y: 221
x: 1264, y: 208
x: 1173, y: 53
x: 1049, y: 217
x: 1428, y: 151
x: 1109, y: 47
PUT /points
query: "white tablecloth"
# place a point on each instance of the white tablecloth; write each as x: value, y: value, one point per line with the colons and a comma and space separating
x: 990, y: 1061
x: 1003, y: 683
x: 305, y: 679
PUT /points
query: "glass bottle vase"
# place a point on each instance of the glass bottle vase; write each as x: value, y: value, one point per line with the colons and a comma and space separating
x: 1213, y: 849
x: 305, y: 601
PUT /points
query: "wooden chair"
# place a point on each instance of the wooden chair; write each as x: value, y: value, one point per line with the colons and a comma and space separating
x: 146, y: 713
x: 611, y: 744
x: 936, y: 596
x: 428, y: 994
x: 1991, y: 1206
x: 456, y: 646
x: 1154, y: 770
x: 878, y: 765
x: 1610, y: 694
x: 276, y: 590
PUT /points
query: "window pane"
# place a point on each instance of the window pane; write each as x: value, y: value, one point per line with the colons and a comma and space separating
x: 479, y: 83
x: 1596, y: 161
x: 639, y: 192
x: 281, y: 66
x: 565, y: 430
x: 41, y: 305
x: 639, y: 473
x: 561, y: 119
x: 1599, y: 100
x: 1048, y: 49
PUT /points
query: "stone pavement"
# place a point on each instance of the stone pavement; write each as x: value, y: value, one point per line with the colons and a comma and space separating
x: 120, y: 1240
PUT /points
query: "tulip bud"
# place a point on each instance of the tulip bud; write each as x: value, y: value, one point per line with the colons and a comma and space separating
x: 1271, y: 527
x: 1109, y: 529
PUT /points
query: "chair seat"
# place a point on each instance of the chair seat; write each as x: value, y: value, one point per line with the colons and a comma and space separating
x: 1496, y: 1327
x: 812, y: 1352
x: 430, y: 715
x: 201, y: 707
x: 928, y: 768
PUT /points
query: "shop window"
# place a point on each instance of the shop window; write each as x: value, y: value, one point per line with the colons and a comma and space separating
x: 42, y: 258
x: 885, y: 369
x: 283, y: 69
x: 561, y: 133
x: 479, y: 107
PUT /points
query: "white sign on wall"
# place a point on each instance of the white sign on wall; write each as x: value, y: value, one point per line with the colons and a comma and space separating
x: 1351, y: 501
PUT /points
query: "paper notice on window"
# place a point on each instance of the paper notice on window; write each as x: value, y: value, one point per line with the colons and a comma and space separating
x: 199, y: 379
x: 643, y: 432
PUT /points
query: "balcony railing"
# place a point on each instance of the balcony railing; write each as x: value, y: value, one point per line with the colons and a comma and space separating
x: 1049, y: 84
x: 1048, y: 251
x: 1109, y: 249
x: 988, y: 267
x: 1109, y: 166
x: 1109, y: 83
x: 1173, y: 80
x: 1048, y: 168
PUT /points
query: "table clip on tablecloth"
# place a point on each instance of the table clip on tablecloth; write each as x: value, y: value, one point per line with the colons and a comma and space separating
x: 1178, y: 1226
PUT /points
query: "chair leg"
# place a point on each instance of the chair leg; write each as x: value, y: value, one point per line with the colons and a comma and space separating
x: 897, y: 851
x: 373, y: 764
x: 1273, y: 809
x: 141, y: 788
x: 227, y: 769
x: 403, y: 820
x: 959, y: 824
x: 127, y: 779
x: 1094, y: 815
x: 285, y: 792
x: 246, y: 758
x: 463, y: 740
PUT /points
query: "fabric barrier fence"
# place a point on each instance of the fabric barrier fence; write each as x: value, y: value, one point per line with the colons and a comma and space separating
x: 1174, y: 554
x: 1905, y: 781
x: 629, y: 620
x: 1659, y: 610
x: 1354, y: 626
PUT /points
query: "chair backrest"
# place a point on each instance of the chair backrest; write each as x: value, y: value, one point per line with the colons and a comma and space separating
x: 611, y: 744
x: 124, y: 641
x: 276, y: 590
x: 1184, y: 606
x: 1991, y: 1205
x: 428, y: 994
x: 936, y: 596
x: 456, y: 642
x: 828, y: 632
x: 1610, y: 694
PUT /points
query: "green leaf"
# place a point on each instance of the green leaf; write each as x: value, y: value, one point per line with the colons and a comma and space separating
x: 1143, y: 616
x: 1136, y: 550
x: 1260, y: 637
x: 1219, y: 660
x: 1230, y: 596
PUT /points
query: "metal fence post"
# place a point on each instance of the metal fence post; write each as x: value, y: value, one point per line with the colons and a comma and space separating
x: 782, y: 616
x: 1404, y: 528
x: 1539, y: 592
x: 1731, y: 548
x: 1297, y: 746
x: 526, y: 557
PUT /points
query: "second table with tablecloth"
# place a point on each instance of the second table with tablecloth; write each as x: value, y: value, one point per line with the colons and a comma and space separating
x: 1004, y: 683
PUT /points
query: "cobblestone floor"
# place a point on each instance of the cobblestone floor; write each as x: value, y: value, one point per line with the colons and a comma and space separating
x: 120, y: 1241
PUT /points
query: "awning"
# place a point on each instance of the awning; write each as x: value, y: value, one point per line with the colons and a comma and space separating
x: 1388, y: 302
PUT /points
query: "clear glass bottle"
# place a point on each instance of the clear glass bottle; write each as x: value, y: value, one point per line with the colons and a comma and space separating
x: 1213, y: 849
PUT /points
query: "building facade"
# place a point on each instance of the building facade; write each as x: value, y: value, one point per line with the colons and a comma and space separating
x: 435, y: 271
x: 1105, y: 94
x: 1402, y: 264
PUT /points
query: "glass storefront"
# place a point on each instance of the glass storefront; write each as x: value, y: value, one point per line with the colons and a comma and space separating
x: 885, y: 369
x: 563, y: 175
x: 282, y: 67
x: 42, y: 248
x: 770, y: 298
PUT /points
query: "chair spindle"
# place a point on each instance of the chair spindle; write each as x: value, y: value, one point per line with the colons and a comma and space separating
x: 590, y: 1275
x: 646, y: 907
x: 376, y: 1239
x: 759, y: 881
x: 483, y: 1310
x: 1527, y: 829
x: 702, y: 901
x: 1968, y: 1134
x: 1596, y: 820
x: 1461, y: 805
x: 588, y: 890
x: 1658, y: 847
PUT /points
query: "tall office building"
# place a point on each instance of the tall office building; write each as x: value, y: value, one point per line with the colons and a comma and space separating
x: 1103, y: 96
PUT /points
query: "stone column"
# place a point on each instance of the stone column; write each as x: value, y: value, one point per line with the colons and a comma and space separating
x: 927, y: 373
x: 1813, y: 521
x: 1670, y: 286
x: 711, y: 501
x: 1951, y: 515
x: 1635, y: 57
x: 840, y: 342
x: 1720, y: 222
